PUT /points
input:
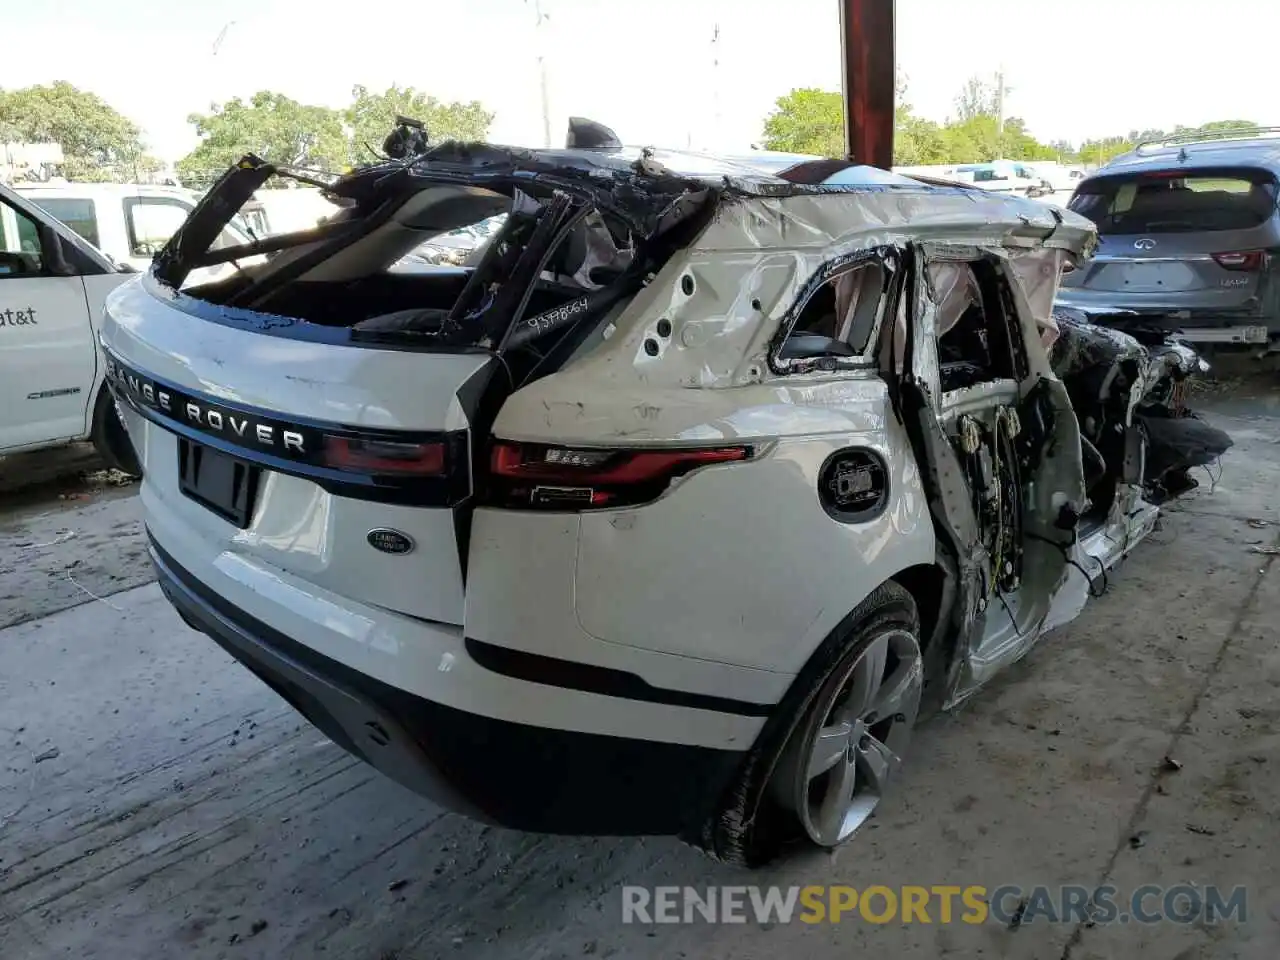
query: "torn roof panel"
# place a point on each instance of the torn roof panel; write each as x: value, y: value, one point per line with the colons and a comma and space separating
x: 851, y: 218
x: 642, y: 183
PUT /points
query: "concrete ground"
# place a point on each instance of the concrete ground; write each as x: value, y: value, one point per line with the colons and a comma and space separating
x: 157, y: 801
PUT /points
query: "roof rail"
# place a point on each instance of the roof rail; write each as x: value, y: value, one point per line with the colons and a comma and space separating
x: 1206, y: 136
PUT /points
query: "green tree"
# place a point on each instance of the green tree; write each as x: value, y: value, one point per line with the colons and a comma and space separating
x: 1218, y: 125
x: 916, y: 141
x: 270, y: 125
x: 1063, y: 151
x: 98, y: 142
x: 1020, y: 145
x: 977, y: 98
x: 806, y: 120
x: 371, y: 117
x: 1099, y: 151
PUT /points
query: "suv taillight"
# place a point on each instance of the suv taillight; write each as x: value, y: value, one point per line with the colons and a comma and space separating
x: 566, y: 478
x: 1248, y: 260
x: 386, y: 457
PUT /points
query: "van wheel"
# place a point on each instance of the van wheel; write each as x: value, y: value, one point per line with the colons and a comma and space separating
x: 822, y: 762
x: 110, y: 438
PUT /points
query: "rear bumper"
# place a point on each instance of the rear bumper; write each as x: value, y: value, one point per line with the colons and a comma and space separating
x: 1195, y: 326
x: 1257, y: 335
x: 511, y: 774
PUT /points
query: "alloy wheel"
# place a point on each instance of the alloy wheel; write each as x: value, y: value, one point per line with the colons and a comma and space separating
x: 855, y: 738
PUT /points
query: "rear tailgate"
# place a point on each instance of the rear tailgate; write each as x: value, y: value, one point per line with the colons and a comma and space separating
x: 320, y: 414
x: 305, y: 449
x: 1197, y: 242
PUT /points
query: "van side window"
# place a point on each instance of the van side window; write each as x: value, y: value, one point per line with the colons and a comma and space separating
x: 78, y: 213
x: 20, y: 254
x: 842, y: 312
x: 150, y: 222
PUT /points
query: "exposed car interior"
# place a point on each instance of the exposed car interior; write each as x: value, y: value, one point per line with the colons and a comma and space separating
x: 973, y: 329
x: 839, y: 317
x: 542, y: 257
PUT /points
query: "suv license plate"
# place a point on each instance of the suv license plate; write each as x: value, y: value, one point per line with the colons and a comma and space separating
x: 218, y: 482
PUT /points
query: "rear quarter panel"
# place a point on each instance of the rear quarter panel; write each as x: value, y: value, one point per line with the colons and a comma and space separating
x: 737, y: 563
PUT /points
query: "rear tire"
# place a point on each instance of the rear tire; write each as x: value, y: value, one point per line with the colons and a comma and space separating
x: 110, y: 438
x: 758, y: 817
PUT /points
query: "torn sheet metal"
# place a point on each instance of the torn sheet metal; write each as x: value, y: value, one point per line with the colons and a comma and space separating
x: 724, y: 297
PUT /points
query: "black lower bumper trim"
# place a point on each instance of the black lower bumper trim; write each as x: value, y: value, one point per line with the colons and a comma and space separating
x: 589, y: 678
x: 512, y: 774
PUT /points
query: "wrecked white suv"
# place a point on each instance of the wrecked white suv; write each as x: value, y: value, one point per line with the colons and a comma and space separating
x: 671, y: 514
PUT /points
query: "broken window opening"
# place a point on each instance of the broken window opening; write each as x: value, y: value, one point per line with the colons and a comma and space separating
x: 540, y: 254
x: 837, y: 320
x: 976, y: 326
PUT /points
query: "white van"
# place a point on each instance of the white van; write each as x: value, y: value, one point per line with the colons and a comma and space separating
x: 288, y: 210
x: 131, y: 222
x: 52, y: 288
x: 1006, y: 176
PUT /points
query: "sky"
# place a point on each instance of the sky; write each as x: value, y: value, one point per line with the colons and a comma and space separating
x: 653, y: 71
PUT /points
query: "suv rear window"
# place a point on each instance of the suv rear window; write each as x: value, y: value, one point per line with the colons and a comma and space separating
x: 1177, y: 201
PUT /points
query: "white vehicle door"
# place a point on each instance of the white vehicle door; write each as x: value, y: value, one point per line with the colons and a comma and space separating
x: 48, y: 360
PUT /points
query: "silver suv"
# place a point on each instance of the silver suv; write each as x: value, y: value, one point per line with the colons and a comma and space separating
x: 1188, y: 236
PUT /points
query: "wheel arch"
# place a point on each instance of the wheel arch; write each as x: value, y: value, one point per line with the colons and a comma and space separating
x: 109, y: 435
x: 933, y: 587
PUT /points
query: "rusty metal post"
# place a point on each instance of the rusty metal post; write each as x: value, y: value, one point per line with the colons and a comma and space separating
x: 867, y: 55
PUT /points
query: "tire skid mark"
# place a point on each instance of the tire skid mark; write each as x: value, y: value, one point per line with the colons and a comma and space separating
x: 217, y: 793
x: 97, y: 823
x: 169, y: 849
x: 373, y: 777
x: 170, y: 762
x: 371, y: 860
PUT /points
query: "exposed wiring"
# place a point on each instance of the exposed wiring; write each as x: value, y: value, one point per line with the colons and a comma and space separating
x: 997, y: 566
x: 376, y: 153
x: 1004, y: 468
x: 511, y: 379
x: 1004, y: 603
x: 1095, y: 593
x: 1064, y: 549
x: 1213, y: 481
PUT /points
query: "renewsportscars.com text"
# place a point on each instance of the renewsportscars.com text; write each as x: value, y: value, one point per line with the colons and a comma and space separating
x: 939, y: 904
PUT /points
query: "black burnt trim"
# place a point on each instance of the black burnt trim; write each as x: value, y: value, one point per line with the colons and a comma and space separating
x: 141, y: 391
x: 549, y: 780
x: 588, y: 678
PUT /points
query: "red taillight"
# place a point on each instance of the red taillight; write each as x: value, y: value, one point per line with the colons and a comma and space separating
x: 385, y: 457
x: 1243, y: 260
x: 566, y: 477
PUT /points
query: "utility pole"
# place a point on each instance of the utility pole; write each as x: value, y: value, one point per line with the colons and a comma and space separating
x: 1001, y: 90
x: 539, y: 19
x: 715, y: 88
x: 222, y: 35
